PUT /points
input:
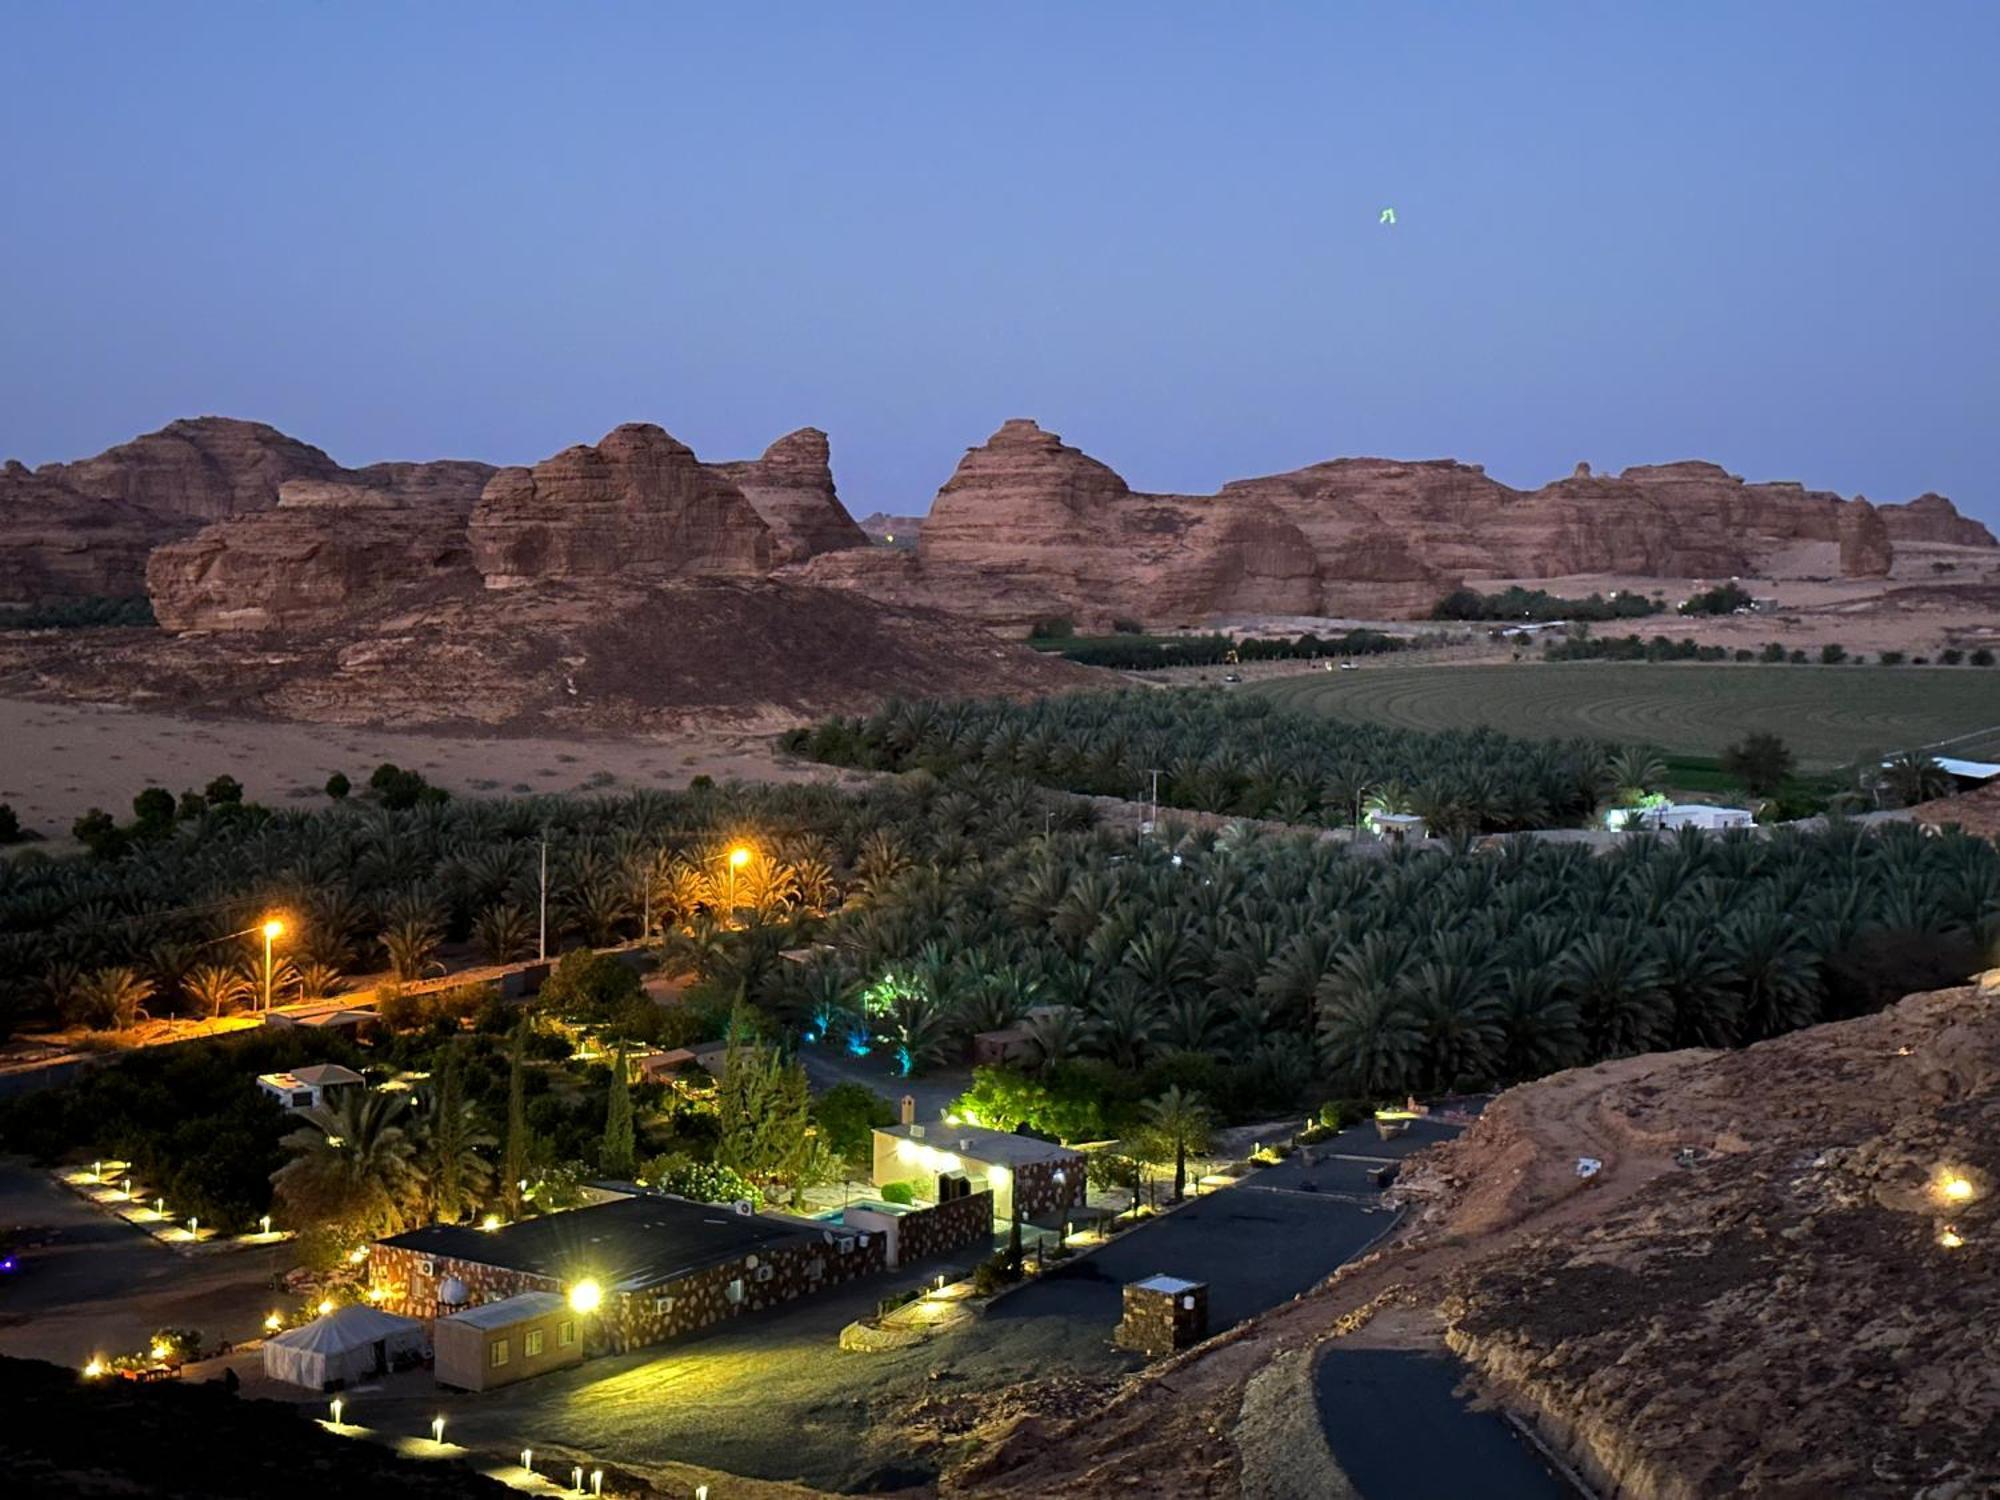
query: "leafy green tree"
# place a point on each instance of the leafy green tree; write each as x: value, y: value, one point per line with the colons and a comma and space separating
x: 338, y: 786
x: 153, y: 812
x: 455, y: 1176
x: 10, y: 825
x: 519, y: 1140
x: 587, y: 986
x: 615, y: 1156
x: 1761, y: 761
x: 224, y: 791
x: 848, y: 1114
x: 764, y: 1109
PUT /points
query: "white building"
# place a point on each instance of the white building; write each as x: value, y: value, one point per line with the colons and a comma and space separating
x: 1666, y: 817
x: 309, y: 1088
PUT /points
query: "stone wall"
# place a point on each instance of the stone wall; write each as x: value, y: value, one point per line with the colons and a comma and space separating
x: 947, y: 1226
x: 1037, y: 1192
x: 1157, y: 1322
x: 769, y: 1277
x: 410, y: 1290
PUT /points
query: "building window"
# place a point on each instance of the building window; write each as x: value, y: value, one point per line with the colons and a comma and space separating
x: 531, y: 1343
x: 566, y: 1335
x: 496, y: 1356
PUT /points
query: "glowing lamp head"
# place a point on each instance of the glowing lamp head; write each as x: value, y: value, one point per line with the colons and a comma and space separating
x: 739, y: 857
x: 1956, y: 1188
x: 1951, y: 1239
x: 325, y: 1306
x: 274, y: 929
x: 586, y: 1296
x: 490, y: 1223
x: 273, y: 1322
x: 94, y: 1369
x: 357, y: 1255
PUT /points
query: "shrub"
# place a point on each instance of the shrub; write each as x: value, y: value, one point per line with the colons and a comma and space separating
x: 1982, y: 657
x: 1055, y: 628
x: 193, y: 805
x: 1832, y: 653
x: 703, y: 1181
x: 1951, y: 656
x: 994, y: 1274
x: 10, y: 825
x: 338, y: 786
x: 1891, y: 658
x: 902, y: 1193
x: 153, y: 808
x: 1126, y: 627
x: 1723, y: 599
x: 587, y: 986
x: 1338, y: 1114
x: 1772, y: 652
x: 224, y: 791
x: 399, y: 790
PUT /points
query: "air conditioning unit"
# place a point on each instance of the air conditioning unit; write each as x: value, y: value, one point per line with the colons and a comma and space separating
x: 745, y: 1207
x: 663, y: 1304
x: 765, y: 1273
x: 427, y: 1268
x: 916, y: 1132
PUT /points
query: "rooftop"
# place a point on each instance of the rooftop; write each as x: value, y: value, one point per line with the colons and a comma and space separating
x: 1172, y: 1285
x: 511, y: 1310
x: 633, y: 1242
x: 319, y: 1075
x: 976, y: 1143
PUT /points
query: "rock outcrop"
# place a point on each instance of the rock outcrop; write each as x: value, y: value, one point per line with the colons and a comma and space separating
x: 1932, y: 518
x: 85, y: 528
x: 791, y: 487
x: 892, y: 531
x: 1865, y: 548
x: 638, y: 504
x: 327, y: 554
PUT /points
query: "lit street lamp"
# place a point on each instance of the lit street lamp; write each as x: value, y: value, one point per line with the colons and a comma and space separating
x: 273, y: 929
x: 738, y: 858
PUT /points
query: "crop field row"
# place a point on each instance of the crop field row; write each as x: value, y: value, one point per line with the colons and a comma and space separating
x: 1830, y: 716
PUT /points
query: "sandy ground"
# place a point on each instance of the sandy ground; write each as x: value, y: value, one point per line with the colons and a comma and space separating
x: 58, y: 760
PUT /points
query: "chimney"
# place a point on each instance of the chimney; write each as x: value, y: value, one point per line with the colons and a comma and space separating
x: 909, y: 1109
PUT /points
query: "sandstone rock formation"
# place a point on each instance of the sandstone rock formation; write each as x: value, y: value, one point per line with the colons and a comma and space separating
x: 639, y: 503
x: 327, y: 554
x: 85, y: 528
x: 791, y: 487
x: 892, y: 531
x: 1932, y: 518
x: 1028, y: 527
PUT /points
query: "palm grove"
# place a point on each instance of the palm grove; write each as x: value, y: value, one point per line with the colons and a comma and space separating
x: 1240, y: 973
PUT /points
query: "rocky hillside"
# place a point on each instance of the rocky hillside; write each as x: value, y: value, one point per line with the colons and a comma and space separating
x: 86, y: 528
x: 1029, y: 527
x: 1784, y: 1280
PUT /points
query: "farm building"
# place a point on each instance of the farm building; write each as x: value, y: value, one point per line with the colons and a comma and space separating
x: 1666, y: 817
x: 946, y: 1159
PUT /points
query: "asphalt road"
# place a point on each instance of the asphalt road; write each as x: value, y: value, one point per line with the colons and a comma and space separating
x: 1400, y: 1433
x: 97, y: 1285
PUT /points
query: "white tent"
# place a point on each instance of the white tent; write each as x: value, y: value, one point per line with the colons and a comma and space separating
x: 350, y: 1343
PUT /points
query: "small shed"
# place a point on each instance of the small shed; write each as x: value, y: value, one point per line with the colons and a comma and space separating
x: 309, y: 1088
x: 498, y: 1343
x: 350, y: 1343
x: 1396, y: 828
x: 1163, y: 1314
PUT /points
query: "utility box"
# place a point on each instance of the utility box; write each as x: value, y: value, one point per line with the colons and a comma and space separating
x: 1163, y: 1314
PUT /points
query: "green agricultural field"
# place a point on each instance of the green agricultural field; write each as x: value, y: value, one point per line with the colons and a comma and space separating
x: 1829, y: 715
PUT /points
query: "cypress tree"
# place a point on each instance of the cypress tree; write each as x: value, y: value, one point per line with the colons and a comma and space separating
x: 514, y: 1163
x: 614, y: 1158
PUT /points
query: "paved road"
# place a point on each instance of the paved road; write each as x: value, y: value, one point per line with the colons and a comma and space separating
x: 1400, y: 1432
x: 100, y: 1286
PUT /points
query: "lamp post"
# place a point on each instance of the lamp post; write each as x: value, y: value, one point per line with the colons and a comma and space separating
x: 273, y: 929
x: 738, y: 858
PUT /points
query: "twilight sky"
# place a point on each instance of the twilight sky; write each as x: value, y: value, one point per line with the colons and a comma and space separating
x: 1763, y: 233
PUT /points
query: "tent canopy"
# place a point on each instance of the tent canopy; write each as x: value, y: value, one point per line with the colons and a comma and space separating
x: 347, y: 1344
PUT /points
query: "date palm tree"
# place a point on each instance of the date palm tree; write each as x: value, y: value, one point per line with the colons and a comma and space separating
x: 352, y: 1171
x: 215, y: 987
x: 1180, y: 1121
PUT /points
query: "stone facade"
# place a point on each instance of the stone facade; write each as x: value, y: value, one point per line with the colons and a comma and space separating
x: 821, y: 1257
x: 1037, y: 1192
x: 1163, y: 1315
x: 947, y: 1226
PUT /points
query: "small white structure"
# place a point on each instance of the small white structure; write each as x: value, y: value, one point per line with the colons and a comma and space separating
x: 1962, y: 770
x: 308, y: 1088
x: 350, y: 1343
x: 1395, y: 828
x: 1666, y: 817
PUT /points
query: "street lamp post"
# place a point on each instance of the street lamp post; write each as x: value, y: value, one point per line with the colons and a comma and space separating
x: 738, y: 858
x: 273, y: 929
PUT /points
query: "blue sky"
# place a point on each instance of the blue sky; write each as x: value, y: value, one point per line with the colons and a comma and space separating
x: 1763, y: 233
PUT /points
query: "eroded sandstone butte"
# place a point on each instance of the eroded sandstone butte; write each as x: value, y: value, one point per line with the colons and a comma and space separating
x: 1029, y: 527
x: 791, y: 487
x: 638, y: 503
x: 85, y: 528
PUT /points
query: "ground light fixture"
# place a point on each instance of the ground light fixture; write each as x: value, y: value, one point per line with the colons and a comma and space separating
x: 273, y: 1322
x: 1956, y: 1187
x: 437, y: 1431
x: 490, y: 1223
x: 1950, y: 1238
x: 336, y: 1406
x: 596, y: 1481
x: 325, y: 1306
x: 576, y: 1478
x: 528, y: 1459
x: 586, y: 1296
x: 265, y: 1223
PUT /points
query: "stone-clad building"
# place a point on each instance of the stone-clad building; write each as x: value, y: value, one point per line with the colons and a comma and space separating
x: 1040, y: 1177
x: 662, y: 1266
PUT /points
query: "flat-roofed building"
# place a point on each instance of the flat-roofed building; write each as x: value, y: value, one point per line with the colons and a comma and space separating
x: 498, y: 1343
x: 1038, y: 1175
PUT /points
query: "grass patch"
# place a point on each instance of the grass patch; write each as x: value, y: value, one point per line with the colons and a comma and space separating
x: 1830, y: 716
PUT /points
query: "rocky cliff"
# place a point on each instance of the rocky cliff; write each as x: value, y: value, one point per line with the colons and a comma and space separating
x: 85, y: 528
x: 639, y: 503
x: 1028, y: 527
x: 791, y: 487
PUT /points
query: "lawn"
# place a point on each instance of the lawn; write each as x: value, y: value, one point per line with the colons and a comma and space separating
x: 1829, y: 715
